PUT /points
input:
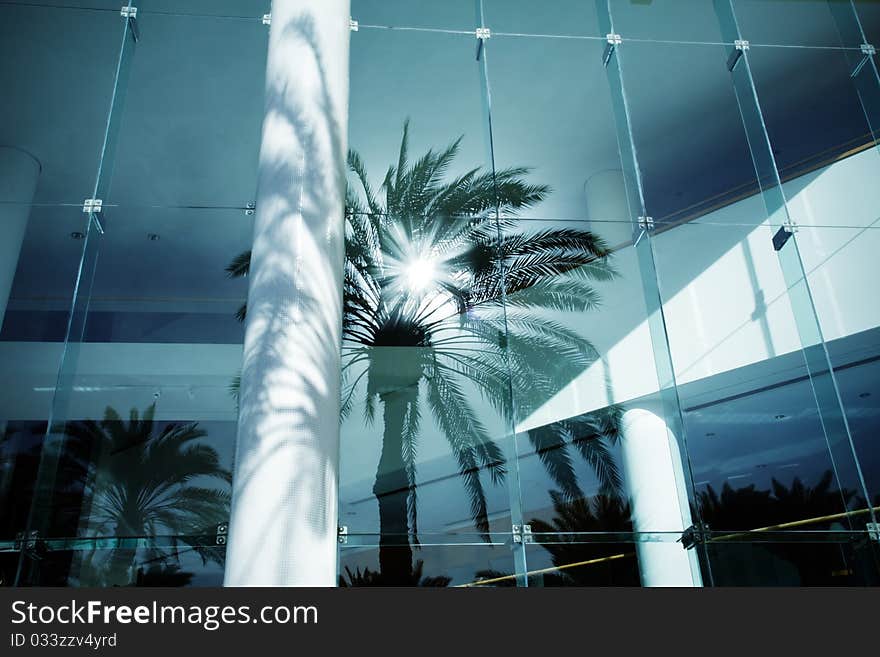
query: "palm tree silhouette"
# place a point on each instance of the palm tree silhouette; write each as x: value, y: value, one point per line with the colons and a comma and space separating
x: 442, y: 290
x: 139, y: 479
x: 368, y: 577
x: 811, y: 563
x: 583, y: 559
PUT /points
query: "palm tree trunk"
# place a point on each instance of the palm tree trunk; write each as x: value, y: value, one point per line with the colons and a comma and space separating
x: 392, y: 490
x: 120, y: 570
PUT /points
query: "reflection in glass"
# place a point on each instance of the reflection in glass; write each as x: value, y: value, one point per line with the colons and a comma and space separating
x: 139, y: 479
x: 577, y: 560
x: 427, y: 277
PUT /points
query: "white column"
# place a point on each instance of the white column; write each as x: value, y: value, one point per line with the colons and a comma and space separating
x: 658, y: 493
x: 19, y: 172
x: 283, y: 522
x: 607, y: 207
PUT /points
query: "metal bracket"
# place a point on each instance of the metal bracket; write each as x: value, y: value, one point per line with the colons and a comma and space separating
x: 353, y: 25
x: 741, y: 44
x: 613, y: 40
x: 868, y: 51
x: 873, y: 531
x: 222, y: 533
x: 92, y: 205
x: 735, y: 56
x: 784, y: 234
x: 646, y: 223
x: 692, y: 536
x: 342, y: 534
x: 30, y: 544
x: 267, y: 19
x: 130, y: 15
x: 522, y: 534
x: 483, y: 33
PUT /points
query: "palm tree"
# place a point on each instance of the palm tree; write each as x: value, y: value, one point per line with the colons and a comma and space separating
x: 369, y: 577
x: 807, y: 562
x: 588, y: 563
x: 443, y: 290
x: 139, y: 479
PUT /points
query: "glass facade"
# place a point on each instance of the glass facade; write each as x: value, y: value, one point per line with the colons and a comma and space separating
x: 608, y: 305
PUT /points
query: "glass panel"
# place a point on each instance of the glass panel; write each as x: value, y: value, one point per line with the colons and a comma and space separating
x: 754, y: 561
x: 144, y: 420
x: 604, y: 560
x: 869, y: 16
x: 579, y: 331
x: 423, y: 445
x: 434, y: 566
x: 816, y: 123
x: 819, y: 199
x: 58, y: 67
x: 751, y: 415
x: 712, y: 163
x: 830, y: 558
x: 189, y: 130
x: 53, y: 135
x: 782, y: 22
x: 32, y: 343
x: 664, y: 21
x: 837, y: 262
x: 143, y: 561
x: 553, y: 17
x: 448, y: 15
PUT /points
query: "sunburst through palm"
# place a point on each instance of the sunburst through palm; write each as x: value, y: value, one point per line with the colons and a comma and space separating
x: 443, y: 290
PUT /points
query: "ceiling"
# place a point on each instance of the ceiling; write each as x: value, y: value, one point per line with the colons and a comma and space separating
x: 187, y: 113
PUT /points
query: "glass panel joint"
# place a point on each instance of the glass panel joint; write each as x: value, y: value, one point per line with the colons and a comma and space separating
x: 693, y: 536
x: 784, y: 234
x: 522, y: 534
x: 92, y: 205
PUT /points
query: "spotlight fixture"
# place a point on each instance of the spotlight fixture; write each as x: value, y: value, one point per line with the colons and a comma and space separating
x: 779, y: 417
x: 864, y: 395
x: 76, y: 235
x: 153, y: 237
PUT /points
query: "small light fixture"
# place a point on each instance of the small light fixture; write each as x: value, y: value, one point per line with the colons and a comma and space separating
x: 153, y: 237
x: 779, y: 417
x: 710, y: 434
x: 864, y: 395
x: 76, y: 235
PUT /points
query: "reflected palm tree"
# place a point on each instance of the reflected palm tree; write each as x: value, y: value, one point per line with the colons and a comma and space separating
x: 810, y: 562
x: 141, y: 479
x: 749, y: 508
x: 369, y: 577
x: 443, y: 294
x: 586, y: 562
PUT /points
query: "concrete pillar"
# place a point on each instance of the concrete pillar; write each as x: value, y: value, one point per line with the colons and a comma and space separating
x: 607, y: 208
x: 19, y: 172
x: 284, y: 510
x: 658, y: 493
